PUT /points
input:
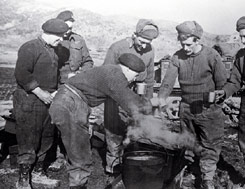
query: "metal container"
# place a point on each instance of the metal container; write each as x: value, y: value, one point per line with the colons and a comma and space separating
x: 148, y: 166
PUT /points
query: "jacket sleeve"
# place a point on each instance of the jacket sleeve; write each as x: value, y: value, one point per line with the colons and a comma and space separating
x: 125, y: 97
x: 219, y: 74
x: 24, y: 68
x: 79, y: 55
x: 150, y: 78
x: 235, y: 81
x: 111, y: 55
x: 169, y: 79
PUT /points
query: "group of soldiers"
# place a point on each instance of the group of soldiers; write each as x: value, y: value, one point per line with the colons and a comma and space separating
x: 57, y: 85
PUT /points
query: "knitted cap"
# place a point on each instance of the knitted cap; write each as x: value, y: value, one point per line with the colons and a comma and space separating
x: 66, y: 16
x: 55, y: 26
x: 191, y: 28
x: 147, y: 29
x: 132, y: 61
x: 240, y: 24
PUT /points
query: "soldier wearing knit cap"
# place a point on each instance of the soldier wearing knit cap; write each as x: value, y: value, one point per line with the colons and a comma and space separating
x: 147, y: 29
x: 190, y: 28
x: 36, y: 74
x: 73, y: 51
x: 138, y: 44
x: 240, y: 24
x: 236, y: 82
x: 200, y: 71
x: 90, y: 89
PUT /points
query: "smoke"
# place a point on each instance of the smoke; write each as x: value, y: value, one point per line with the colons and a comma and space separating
x: 148, y: 128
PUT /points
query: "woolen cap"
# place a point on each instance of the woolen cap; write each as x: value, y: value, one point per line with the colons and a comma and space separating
x: 55, y: 26
x: 147, y: 29
x: 66, y: 16
x: 190, y: 28
x: 240, y: 24
x: 132, y: 61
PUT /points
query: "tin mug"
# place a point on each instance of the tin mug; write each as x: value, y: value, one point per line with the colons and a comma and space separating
x: 211, y: 97
x: 141, y: 88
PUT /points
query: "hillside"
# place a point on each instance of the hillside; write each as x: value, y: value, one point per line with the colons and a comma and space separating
x: 21, y: 21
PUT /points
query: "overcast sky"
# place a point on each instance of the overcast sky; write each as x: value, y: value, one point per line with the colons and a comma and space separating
x: 216, y: 16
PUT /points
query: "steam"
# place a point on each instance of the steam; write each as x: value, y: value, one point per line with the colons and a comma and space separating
x: 153, y: 129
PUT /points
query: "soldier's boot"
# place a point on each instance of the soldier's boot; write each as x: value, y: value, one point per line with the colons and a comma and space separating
x: 24, y: 177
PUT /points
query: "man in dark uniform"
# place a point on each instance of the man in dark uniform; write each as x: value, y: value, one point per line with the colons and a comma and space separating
x: 70, y: 109
x: 138, y: 44
x: 73, y: 50
x: 236, y: 82
x: 36, y: 75
x: 200, y: 71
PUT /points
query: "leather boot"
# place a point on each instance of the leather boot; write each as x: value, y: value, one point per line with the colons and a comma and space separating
x: 41, y: 168
x: 24, y: 177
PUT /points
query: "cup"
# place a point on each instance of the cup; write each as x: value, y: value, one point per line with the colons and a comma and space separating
x: 211, y: 97
x: 141, y: 88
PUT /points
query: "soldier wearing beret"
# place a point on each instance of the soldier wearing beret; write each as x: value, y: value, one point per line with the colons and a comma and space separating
x: 70, y: 108
x: 140, y: 45
x: 36, y: 74
x: 73, y: 52
x: 200, y: 71
x: 236, y: 82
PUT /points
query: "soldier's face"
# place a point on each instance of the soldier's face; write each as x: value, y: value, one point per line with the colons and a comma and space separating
x: 70, y: 25
x: 242, y: 36
x: 141, y: 43
x: 55, y: 40
x: 189, y: 45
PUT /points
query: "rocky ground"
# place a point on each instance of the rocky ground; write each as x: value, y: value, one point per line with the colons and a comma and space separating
x: 230, y: 173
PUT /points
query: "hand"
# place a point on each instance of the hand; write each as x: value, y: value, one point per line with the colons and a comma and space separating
x: 155, y: 102
x: 44, y: 96
x: 162, y: 102
x: 71, y: 74
x: 219, y: 95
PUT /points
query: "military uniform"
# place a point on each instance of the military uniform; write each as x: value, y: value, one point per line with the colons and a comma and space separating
x: 114, y: 117
x: 74, y: 56
x: 71, y: 108
x: 36, y: 68
x: 73, y: 52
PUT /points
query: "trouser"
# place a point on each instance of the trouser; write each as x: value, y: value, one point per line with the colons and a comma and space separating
x: 115, y: 121
x: 70, y: 114
x: 241, y: 124
x: 34, y: 131
x: 208, y: 127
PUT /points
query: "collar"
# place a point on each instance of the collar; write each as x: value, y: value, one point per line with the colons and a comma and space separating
x: 44, y: 43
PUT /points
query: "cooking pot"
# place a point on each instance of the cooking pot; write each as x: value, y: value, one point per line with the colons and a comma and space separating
x: 150, y: 166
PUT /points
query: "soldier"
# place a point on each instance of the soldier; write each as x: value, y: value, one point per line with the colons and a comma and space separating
x: 36, y: 74
x: 71, y: 108
x: 140, y: 45
x: 73, y: 51
x: 200, y: 71
x: 236, y: 82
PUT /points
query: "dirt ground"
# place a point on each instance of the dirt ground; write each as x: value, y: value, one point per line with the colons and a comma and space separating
x: 229, y: 175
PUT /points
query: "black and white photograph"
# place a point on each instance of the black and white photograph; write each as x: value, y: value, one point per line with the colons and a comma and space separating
x: 122, y: 94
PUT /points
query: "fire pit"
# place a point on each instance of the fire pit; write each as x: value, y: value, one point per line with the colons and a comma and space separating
x: 150, y: 166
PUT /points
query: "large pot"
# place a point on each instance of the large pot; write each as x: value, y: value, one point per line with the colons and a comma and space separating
x: 150, y: 167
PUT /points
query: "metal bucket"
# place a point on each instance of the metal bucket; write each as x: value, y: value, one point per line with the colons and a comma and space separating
x: 147, y: 166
